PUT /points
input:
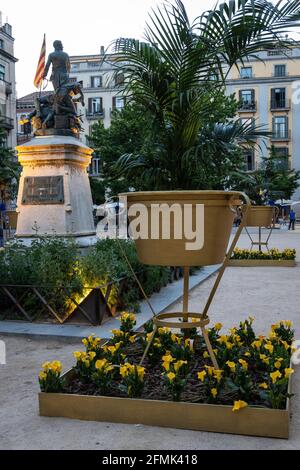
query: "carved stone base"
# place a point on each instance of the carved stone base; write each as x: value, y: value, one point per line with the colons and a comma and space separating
x: 54, y: 193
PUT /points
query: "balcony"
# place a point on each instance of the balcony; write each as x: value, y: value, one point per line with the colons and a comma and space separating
x: 247, y: 107
x: 280, y: 105
x: 94, y: 115
x: 282, y: 135
x: 7, y: 123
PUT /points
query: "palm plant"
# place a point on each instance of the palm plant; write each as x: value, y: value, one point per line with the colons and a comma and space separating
x: 179, y: 73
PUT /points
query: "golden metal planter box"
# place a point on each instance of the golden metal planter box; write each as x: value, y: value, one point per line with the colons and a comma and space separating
x: 263, y: 422
x: 251, y: 263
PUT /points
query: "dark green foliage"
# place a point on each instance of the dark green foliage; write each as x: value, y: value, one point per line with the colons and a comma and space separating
x: 9, y: 168
x: 271, y: 181
x: 56, y: 267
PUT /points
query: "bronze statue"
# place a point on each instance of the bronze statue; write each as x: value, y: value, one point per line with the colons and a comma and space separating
x: 60, y: 66
x: 56, y: 112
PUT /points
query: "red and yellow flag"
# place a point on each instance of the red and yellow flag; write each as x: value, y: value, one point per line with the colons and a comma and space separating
x: 38, y: 79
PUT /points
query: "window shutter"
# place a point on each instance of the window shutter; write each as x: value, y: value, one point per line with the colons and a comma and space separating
x: 90, y: 105
x: 240, y: 95
x: 114, y: 102
x: 252, y: 95
x: 101, y: 105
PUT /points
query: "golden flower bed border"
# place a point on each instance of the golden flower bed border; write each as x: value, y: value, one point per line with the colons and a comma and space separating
x: 250, y: 421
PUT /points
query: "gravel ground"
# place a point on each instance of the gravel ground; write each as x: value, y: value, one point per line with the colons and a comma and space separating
x: 268, y: 294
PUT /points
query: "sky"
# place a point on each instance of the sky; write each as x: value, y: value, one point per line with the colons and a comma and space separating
x: 82, y: 25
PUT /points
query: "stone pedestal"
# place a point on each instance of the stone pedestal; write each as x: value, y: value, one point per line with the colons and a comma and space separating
x: 54, y: 196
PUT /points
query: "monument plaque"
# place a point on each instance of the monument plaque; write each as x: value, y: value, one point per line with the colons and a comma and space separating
x: 43, y: 190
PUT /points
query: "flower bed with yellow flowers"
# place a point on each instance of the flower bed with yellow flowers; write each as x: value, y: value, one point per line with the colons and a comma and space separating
x: 254, y: 374
x: 273, y: 254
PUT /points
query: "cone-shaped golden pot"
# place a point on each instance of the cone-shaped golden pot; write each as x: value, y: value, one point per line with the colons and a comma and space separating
x: 261, y: 216
x: 215, y: 224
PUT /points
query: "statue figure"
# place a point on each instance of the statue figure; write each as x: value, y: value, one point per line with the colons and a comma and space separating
x: 56, y: 113
x: 60, y: 66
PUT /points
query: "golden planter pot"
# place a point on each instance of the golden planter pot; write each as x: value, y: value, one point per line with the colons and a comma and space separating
x: 261, y: 216
x: 219, y: 212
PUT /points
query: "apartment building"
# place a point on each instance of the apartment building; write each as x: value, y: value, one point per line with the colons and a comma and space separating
x: 7, y: 82
x: 268, y: 91
x: 102, y: 87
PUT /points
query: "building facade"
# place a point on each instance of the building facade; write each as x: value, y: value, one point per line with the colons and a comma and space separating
x: 268, y: 91
x: 8, y: 83
x: 102, y: 88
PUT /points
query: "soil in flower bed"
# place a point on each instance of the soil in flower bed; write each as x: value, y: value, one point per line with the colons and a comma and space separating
x: 154, y: 388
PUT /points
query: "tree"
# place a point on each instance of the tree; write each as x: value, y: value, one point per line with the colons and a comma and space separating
x: 179, y: 75
x: 272, y: 180
x: 9, y: 169
x: 130, y: 132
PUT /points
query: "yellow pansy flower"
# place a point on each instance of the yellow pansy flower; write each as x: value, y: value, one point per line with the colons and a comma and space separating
x: 100, y: 364
x: 256, y: 344
x: 285, y: 344
x: 202, y: 375
x: 231, y: 365
x: 288, y: 372
x: 275, y: 376
x: 214, y: 392
x: 206, y: 355
x: 171, y: 376
x: 46, y: 366
x: 117, y: 332
x: 269, y: 347
x: 218, y: 326
x: 263, y: 385
x: 168, y: 358
x: 92, y: 355
x: 247, y: 354
x: 85, y: 342
x: 178, y: 365
x: 244, y: 364
x: 132, y: 339
x: 188, y: 344
x: 239, y: 405
x: 210, y: 370
x: 140, y: 371
x: 42, y: 375
x: 218, y: 375
x: 287, y: 323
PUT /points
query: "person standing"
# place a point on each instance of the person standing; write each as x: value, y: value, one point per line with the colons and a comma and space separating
x: 292, y: 220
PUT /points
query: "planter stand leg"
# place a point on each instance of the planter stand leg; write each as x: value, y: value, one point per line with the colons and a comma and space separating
x: 209, y: 348
x: 148, y: 345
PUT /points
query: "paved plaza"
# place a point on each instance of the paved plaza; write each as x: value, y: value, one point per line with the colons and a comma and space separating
x: 268, y: 294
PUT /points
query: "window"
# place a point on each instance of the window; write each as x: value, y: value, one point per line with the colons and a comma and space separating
x: 118, y: 102
x: 74, y: 66
x: 246, y: 72
x: 280, y: 127
x: 278, y: 98
x: 246, y: 121
x: 282, y: 157
x: 93, y: 64
x: 2, y: 72
x: 249, y: 160
x: 119, y: 79
x: 94, y: 169
x: 280, y: 70
x: 247, y: 99
x: 96, y: 82
x: 73, y: 79
x: 95, y: 105
x: 1, y: 44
